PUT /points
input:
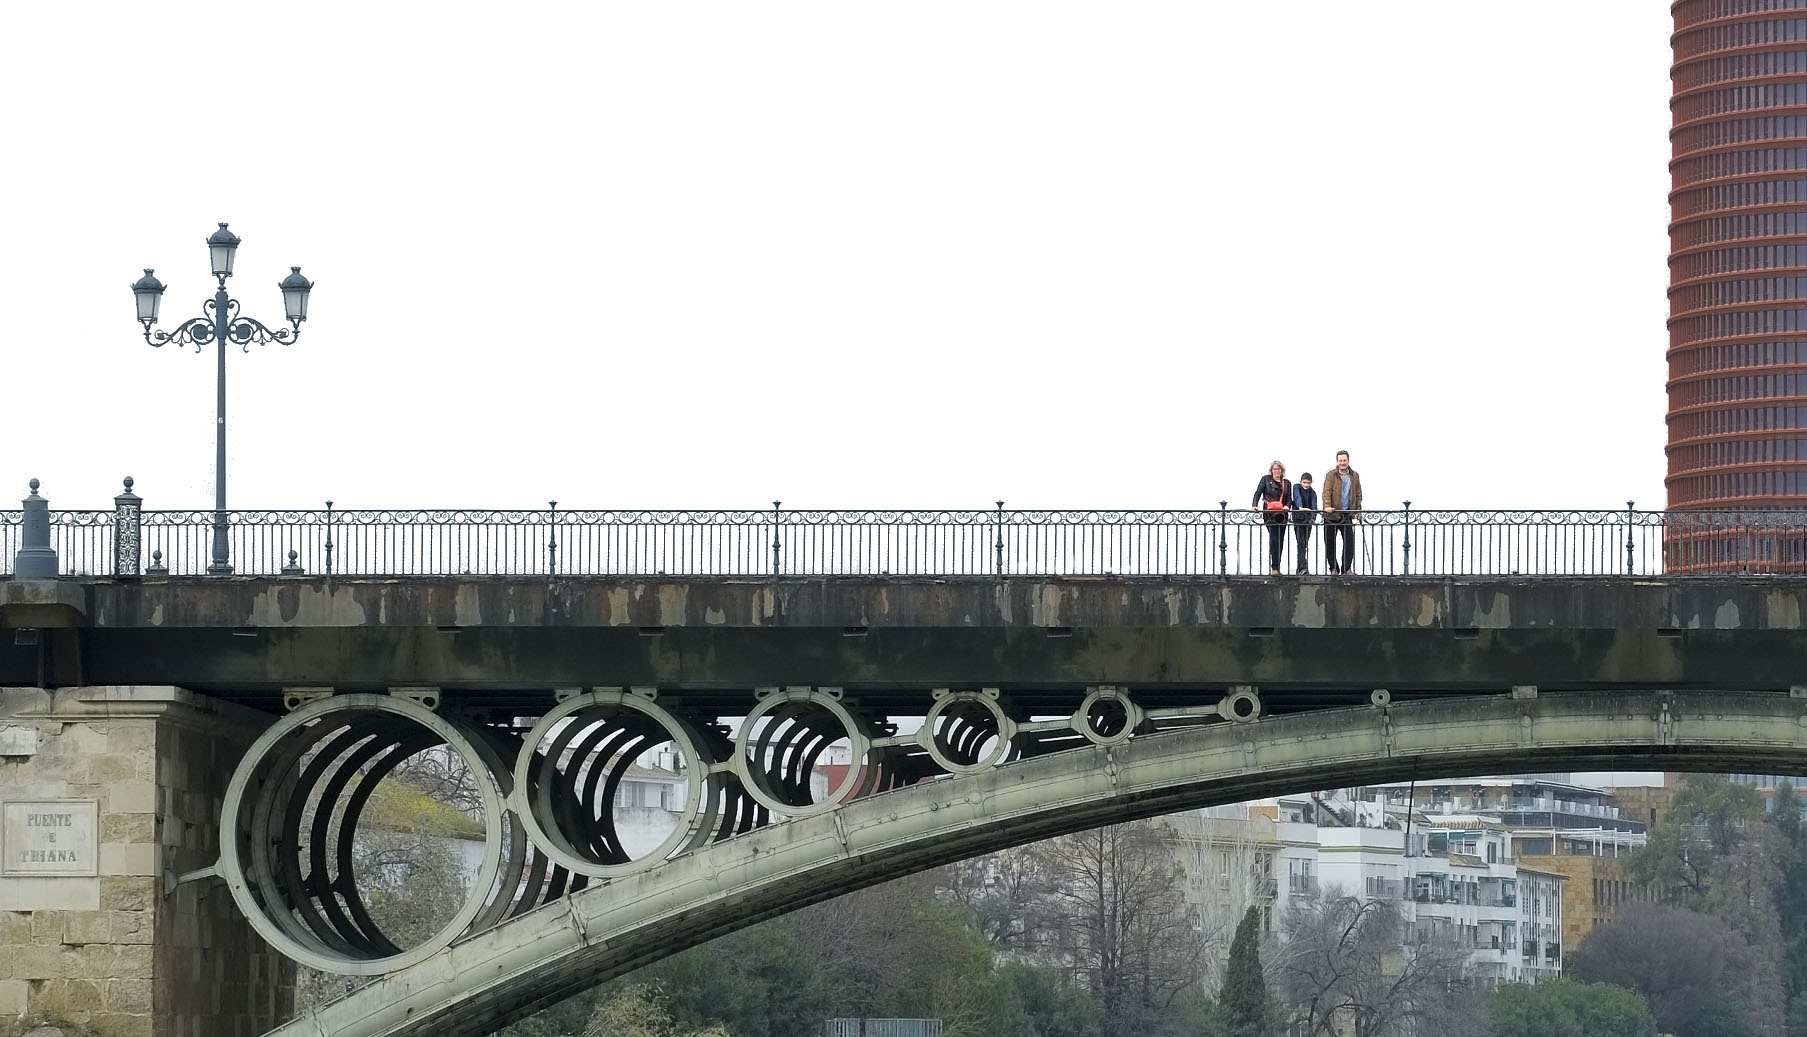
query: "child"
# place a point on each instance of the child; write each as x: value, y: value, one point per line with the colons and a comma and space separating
x: 1305, y: 508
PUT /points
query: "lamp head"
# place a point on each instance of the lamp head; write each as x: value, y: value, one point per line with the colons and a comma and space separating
x: 294, y: 295
x: 149, y: 291
x: 222, y: 244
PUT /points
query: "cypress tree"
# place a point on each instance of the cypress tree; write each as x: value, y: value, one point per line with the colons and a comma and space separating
x: 1244, y: 993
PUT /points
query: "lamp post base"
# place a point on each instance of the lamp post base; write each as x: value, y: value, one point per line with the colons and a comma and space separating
x: 221, y: 564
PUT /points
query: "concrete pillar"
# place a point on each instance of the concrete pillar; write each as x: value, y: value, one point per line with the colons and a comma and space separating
x: 105, y: 792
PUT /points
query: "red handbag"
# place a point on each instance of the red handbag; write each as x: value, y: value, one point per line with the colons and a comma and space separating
x: 1280, y: 504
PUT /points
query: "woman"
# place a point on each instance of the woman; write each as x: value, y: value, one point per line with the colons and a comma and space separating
x: 1274, y: 498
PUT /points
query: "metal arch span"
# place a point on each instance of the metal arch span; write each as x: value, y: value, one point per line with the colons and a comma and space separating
x: 508, y: 971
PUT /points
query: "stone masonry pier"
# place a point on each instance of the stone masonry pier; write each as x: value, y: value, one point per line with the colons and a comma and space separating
x: 92, y: 932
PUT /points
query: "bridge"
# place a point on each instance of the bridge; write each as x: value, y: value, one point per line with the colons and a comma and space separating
x: 1100, y: 666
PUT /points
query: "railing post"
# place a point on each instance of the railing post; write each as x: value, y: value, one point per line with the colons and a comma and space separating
x: 998, y: 528
x: 35, y: 559
x: 1223, y: 538
x: 128, y: 529
x: 777, y: 545
x: 552, y: 538
x: 329, y: 538
x: 1629, y: 519
x: 1406, y: 545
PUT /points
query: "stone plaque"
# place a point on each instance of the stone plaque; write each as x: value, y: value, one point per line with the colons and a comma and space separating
x: 50, y: 838
x: 18, y: 740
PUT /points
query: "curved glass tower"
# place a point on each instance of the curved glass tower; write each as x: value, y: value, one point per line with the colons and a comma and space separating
x: 1738, y: 264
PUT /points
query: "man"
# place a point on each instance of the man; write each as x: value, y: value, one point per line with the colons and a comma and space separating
x: 1342, y: 502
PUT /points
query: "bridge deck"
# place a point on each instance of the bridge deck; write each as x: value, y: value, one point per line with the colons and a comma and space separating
x: 1305, y: 641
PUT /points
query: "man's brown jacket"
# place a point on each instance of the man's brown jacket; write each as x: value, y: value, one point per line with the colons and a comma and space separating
x: 1331, y: 493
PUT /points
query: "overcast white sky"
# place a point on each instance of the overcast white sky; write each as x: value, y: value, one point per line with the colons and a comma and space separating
x: 843, y: 254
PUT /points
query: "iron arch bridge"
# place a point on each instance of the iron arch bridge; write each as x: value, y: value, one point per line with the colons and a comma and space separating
x: 560, y: 905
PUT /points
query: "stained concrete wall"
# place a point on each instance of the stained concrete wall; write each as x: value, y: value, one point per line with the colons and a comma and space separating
x: 256, y: 636
x: 113, y: 950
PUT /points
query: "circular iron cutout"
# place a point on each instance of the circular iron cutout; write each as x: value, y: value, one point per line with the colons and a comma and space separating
x: 782, y: 740
x: 967, y: 731
x: 569, y: 774
x: 1107, y: 717
x: 291, y: 818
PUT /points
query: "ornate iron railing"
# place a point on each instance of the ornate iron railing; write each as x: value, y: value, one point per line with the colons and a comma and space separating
x: 131, y: 542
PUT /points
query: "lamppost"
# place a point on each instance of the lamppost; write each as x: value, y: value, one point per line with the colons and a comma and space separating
x: 222, y: 324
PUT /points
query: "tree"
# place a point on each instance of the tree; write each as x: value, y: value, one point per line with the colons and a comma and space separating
x: 1715, y: 855
x: 1565, y: 1008
x: 1675, y: 958
x: 1232, y: 871
x: 1244, y: 993
x: 1042, y: 1006
x: 1004, y: 892
x: 1721, y: 1016
x: 637, y: 1010
x: 754, y: 983
x: 895, y: 949
x: 1343, y: 962
x: 1791, y: 902
x: 1746, y: 880
x: 1709, y: 818
x: 1117, y: 916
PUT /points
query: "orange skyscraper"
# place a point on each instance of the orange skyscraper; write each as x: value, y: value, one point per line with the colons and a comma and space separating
x: 1738, y: 269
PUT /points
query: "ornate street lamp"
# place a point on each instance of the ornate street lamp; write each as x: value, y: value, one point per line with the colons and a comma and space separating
x: 222, y: 324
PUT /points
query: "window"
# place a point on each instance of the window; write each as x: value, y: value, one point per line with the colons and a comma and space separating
x: 1703, y: 10
x: 1707, y: 230
x: 1730, y: 260
x: 1739, y: 99
x: 1739, y: 66
x: 1696, y: 168
x: 1738, y: 34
